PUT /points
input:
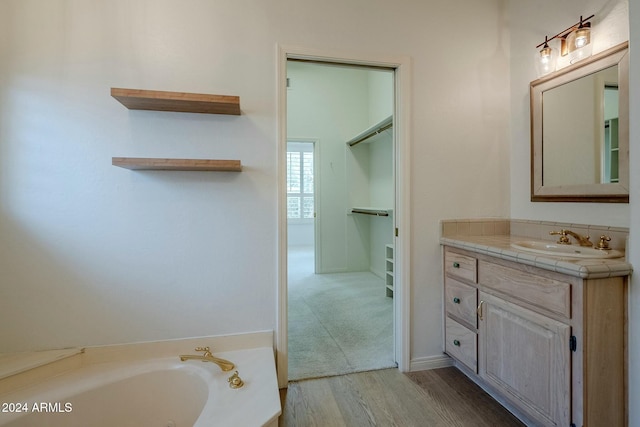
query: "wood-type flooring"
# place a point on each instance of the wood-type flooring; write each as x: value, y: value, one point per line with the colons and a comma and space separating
x: 440, y: 398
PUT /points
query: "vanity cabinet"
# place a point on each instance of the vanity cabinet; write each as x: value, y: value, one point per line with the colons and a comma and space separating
x: 525, y: 356
x: 548, y: 346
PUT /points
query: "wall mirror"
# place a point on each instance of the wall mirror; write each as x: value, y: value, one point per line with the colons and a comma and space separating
x: 580, y: 131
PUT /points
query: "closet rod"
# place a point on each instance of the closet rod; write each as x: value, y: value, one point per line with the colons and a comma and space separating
x: 369, y: 135
x: 370, y: 212
x: 372, y: 131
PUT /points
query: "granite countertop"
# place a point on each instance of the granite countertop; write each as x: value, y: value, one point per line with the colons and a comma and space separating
x: 499, y: 246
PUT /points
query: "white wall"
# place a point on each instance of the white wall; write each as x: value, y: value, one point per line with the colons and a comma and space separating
x: 300, y: 234
x: 634, y: 200
x: 378, y: 187
x: 530, y: 22
x: 381, y: 95
x: 381, y: 194
x: 94, y: 254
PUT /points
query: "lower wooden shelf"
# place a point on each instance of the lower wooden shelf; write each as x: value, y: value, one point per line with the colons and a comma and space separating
x: 142, y: 163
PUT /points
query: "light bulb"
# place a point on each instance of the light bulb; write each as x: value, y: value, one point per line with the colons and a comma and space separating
x: 546, y: 62
x: 582, y: 37
x: 545, y: 55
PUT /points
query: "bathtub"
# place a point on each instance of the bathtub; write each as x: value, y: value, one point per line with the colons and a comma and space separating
x: 159, y: 392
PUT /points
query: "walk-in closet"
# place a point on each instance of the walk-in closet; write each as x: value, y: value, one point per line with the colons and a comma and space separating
x: 340, y: 218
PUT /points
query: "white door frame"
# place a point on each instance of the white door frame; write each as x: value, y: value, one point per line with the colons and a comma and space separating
x: 401, y: 297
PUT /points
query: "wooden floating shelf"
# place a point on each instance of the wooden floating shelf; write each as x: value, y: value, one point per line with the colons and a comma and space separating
x: 138, y: 99
x: 141, y: 163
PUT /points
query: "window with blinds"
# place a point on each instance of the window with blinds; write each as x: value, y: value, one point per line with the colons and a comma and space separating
x: 300, y: 197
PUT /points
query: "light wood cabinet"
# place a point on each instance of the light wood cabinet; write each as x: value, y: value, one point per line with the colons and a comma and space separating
x: 460, y: 266
x: 525, y: 356
x: 462, y: 343
x: 461, y: 301
x: 548, y: 346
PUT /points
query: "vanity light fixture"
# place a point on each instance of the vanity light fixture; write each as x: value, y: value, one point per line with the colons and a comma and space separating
x: 546, y: 61
x: 575, y: 41
x: 583, y: 35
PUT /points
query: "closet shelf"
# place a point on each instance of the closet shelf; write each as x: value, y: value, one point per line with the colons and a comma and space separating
x: 138, y: 99
x: 141, y: 163
x: 389, y: 262
x: 371, y: 211
x: 371, y: 132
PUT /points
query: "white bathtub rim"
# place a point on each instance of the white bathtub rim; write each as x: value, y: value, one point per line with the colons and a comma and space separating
x: 174, y: 347
x: 257, y: 403
x: 71, y: 383
x: 48, y: 366
x: 256, y: 366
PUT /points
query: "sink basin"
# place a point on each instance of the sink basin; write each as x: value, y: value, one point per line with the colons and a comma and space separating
x: 569, y: 251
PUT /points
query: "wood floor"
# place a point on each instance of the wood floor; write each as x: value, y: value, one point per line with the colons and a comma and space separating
x: 440, y: 397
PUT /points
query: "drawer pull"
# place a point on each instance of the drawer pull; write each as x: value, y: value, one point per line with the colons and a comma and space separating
x: 456, y: 343
x: 456, y: 265
x: 456, y: 300
x: 479, y: 311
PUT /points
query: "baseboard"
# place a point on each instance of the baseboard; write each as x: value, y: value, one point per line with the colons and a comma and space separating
x: 431, y: 362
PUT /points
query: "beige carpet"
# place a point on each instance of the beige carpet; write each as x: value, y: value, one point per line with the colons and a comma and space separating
x: 338, y: 323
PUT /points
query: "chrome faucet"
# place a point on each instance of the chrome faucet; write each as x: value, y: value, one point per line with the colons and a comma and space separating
x: 564, y: 240
x: 225, y: 365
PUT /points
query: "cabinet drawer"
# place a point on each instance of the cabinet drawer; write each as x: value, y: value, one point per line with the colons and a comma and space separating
x: 544, y: 293
x: 461, y: 301
x: 460, y: 266
x: 461, y: 343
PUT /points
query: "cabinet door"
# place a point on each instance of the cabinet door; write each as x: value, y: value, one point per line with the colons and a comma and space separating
x: 526, y: 357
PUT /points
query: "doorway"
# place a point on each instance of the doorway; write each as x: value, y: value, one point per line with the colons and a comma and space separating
x: 340, y: 259
x: 341, y: 316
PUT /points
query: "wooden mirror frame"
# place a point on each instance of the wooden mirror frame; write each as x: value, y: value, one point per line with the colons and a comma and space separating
x: 602, y: 193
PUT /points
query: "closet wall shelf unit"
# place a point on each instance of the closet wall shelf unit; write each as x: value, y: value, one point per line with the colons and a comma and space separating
x: 389, y: 261
x: 140, y: 163
x: 182, y: 102
x: 368, y: 134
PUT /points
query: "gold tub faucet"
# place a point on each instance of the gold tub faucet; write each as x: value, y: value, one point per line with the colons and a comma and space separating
x: 225, y: 365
